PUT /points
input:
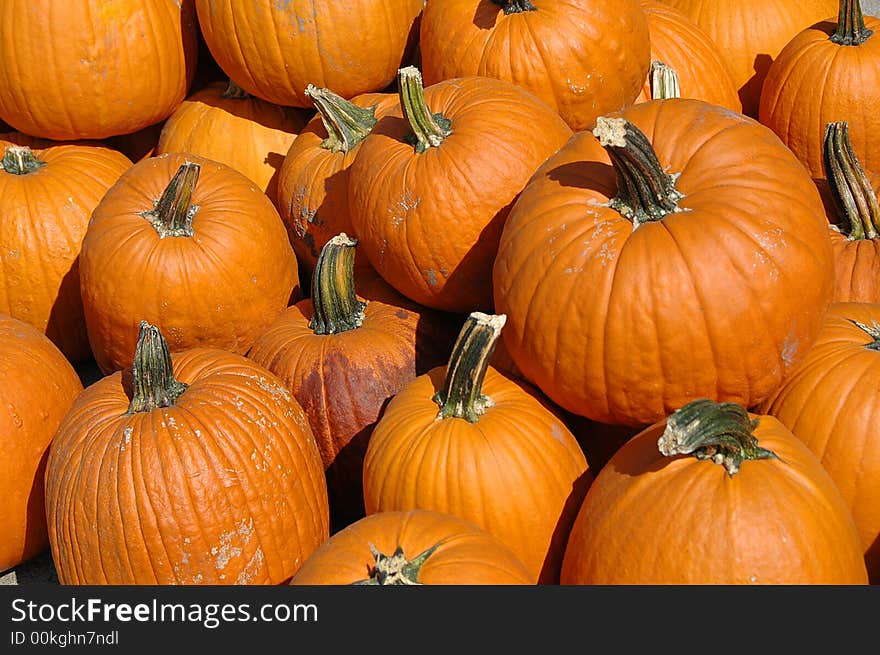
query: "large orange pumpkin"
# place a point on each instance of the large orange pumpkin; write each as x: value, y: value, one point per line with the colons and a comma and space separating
x: 190, y: 245
x: 46, y: 199
x: 418, y: 547
x: 39, y: 386
x: 830, y: 403
x: 466, y: 440
x: 200, y: 469
x: 584, y: 58
x: 842, y: 59
x: 89, y: 69
x: 714, y: 495
x: 275, y: 49
x: 696, y: 264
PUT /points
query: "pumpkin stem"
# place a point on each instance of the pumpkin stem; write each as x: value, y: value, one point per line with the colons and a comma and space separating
x: 851, y: 28
x: 664, y: 81
x: 515, y: 6
x: 346, y: 123
x: 721, y: 432
x: 173, y: 215
x: 396, y: 569
x: 427, y: 129
x: 850, y: 188
x: 153, y: 380
x: 872, y: 331
x: 336, y: 307
x: 235, y: 92
x: 20, y: 160
x: 461, y: 396
x: 645, y: 192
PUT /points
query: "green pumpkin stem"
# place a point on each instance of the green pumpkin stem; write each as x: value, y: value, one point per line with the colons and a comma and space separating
x: 346, y: 123
x: 336, y: 306
x: 664, y: 81
x: 20, y: 160
x: 396, y: 569
x: 515, y: 6
x: 645, y: 192
x: 872, y: 331
x: 173, y: 214
x: 235, y: 92
x: 153, y: 383
x: 851, y: 28
x: 428, y: 130
x: 461, y: 396
x: 852, y: 192
x: 721, y: 432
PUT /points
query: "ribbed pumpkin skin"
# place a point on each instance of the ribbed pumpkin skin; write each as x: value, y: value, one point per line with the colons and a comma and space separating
x: 849, y: 79
x: 275, y: 49
x: 43, y: 219
x: 830, y: 404
x: 466, y: 555
x: 39, y: 386
x: 221, y: 287
x: 429, y: 222
x: 248, y: 134
x: 313, y: 187
x: 517, y: 473
x: 225, y: 487
x: 89, y: 69
x: 625, y: 326
x: 682, y: 44
x: 584, y: 58
x: 750, y: 34
x: 648, y: 519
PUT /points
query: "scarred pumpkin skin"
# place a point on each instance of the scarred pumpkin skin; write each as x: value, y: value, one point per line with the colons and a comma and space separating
x: 44, y: 214
x: 39, y: 386
x: 274, y: 49
x: 224, y: 487
x: 583, y: 58
x: 829, y: 403
x: 81, y: 71
x: 649, y: 519
x: 623, y: 326
x: 462, y: 554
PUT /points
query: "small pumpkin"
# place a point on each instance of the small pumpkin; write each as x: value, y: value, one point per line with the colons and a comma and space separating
x: 714, y: 495
x: 200, y: 469
x: 418, y: 547
x: 39, y: 386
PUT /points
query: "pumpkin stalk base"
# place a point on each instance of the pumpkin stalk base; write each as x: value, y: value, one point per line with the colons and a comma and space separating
x: 396, y: 569
x: 515, y: 6
x: 346, y: 123
x: 153, y: 382
x: 173, y: 214
x: 235, y: 92
x: 852, y: 191
x: 20, y: 160
x: 428, y: 130
x: 336, y: 307
x: 851, y: 28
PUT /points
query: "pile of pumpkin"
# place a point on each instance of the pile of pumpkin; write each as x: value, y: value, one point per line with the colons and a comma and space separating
x: 444, y: 292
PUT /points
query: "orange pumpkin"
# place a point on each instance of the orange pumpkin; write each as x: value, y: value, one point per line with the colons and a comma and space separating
x: 199, y: 469
x: 39, y: 386
x: 90, y: 70
x: 418, y: 547
x: 714, y: 495
x: 46, y: 199
x: 628, y: 267
x: 842, y: 58
x: 584, y: 58
x: 204, y: 256
x: 256, y: 134
x: 432, y: 183
x: 275, y: 49
x: 466, y: 440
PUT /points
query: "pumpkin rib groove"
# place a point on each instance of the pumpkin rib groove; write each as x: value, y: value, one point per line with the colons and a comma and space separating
x: 119, y: 436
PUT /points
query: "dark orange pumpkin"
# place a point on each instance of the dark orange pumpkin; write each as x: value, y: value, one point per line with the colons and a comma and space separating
x: 714, y: 495
x: 39, y: 386
x: 200, y: 469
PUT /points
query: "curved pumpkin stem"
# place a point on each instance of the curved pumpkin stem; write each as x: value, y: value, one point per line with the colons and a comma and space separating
x: 872, y: 331
x: 173, y: 215
x: 20, y: 160
x: 515, y: 6
x: 664, y: 81
x: 461, y: 396
x: 850, y: 188
x: 645, y: 192
x: 851, y: 28
x: 396, y: 569
x: 428, y: 130
x: 706, y: 429
x: 235, y: 92
x: 346, y: 123
x: 336, y: 307
x: 153, y: 382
